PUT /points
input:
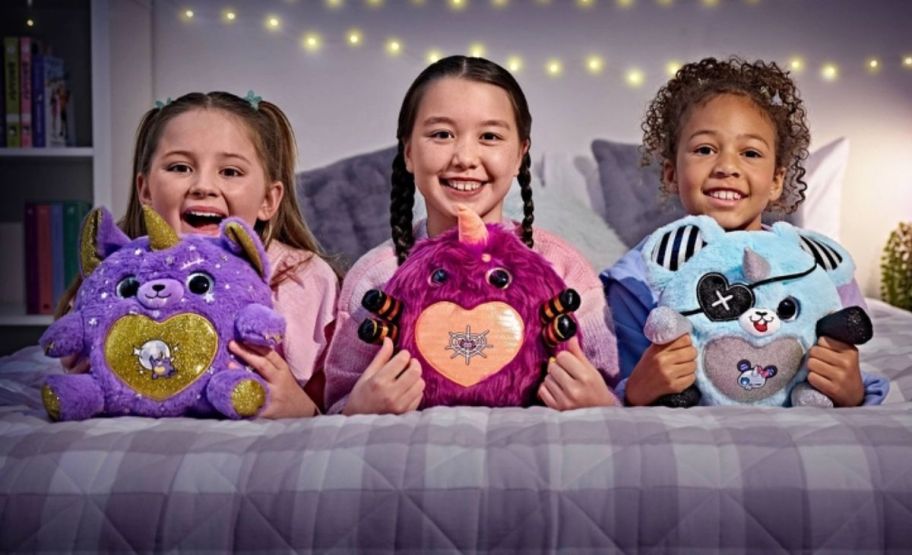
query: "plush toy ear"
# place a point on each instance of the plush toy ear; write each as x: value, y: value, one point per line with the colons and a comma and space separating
x: 670, y: 247
x: 828, y: 254
x: 99, y: 238
x: 243, y: 241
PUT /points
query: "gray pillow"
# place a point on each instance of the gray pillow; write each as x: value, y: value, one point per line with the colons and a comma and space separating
x: 633, y: 204
x: 346, y: 204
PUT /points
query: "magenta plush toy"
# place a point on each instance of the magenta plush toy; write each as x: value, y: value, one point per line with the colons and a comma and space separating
x: 155, y: 315
x: 480, y: 311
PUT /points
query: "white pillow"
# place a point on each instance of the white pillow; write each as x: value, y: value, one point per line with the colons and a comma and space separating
x: 821, y: 210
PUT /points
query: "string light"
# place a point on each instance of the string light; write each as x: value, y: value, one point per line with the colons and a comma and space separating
x: 665, y: 3
x: 500, y: 3
x: 635, y: 77
x: 554, y: 67
x: 273, y: 23
x: 710, y: 3
x: 312, y: 42
x: 334, y: 4
x: 873, y: 65
x: 433, y: 55
x: 796, y: 64
x: 188, y: 14
x: 458, y: 5
x: 907, y: 62
x: 672, y: 67
x: 595, y: 64
x: 418, y: 2
x: 514, y: 64
x: 585, y: 3
x: 30, y: 22
x: 393, y: 47
x: 354, y: 38
x: 829, y: 72
x: 229, y: 16
x: 625, y: 4
x: 477, y: 50
x: 374, y: 3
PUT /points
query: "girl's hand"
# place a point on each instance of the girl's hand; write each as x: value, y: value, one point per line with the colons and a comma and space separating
x: 833, y: 370
x: 663, y: 369
x: 389, y: 385
x: 75, y: 364
x: 573, y: 382
x: 286, y: 398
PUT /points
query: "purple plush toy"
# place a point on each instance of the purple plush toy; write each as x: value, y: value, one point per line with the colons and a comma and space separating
x: 155, y: 315
x: 481, y: 312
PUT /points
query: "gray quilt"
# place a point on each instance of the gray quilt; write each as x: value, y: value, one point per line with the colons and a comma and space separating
x: 467, y: 480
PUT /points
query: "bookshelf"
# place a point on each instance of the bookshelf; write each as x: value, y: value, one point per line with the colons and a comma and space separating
x: 78, y: 31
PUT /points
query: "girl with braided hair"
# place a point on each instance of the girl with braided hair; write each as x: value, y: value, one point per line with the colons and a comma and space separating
x: 464, y: 135
x: 731, y: 137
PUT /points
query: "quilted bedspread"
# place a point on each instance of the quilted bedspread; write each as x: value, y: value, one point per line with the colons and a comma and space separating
x: 469, y: 480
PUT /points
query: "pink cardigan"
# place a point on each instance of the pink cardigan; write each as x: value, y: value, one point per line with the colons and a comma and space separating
x: 307, y: 300
x: 348, y: 356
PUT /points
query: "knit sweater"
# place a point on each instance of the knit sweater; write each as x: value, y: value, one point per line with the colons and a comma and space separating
x: 348, y: 356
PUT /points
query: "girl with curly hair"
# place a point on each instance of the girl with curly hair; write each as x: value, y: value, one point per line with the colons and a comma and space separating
x: 731, y: 137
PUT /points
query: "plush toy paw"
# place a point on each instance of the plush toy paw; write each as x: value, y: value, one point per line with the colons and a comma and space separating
x: 64, y: 337
x: 72, y: 397
x: 260, y: 325
x: 803, y: 395
x: 665, y: 324
x: 237, y: 393
x: 688, y: 398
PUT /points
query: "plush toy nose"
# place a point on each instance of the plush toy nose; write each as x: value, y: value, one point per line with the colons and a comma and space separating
x: 160, y: 293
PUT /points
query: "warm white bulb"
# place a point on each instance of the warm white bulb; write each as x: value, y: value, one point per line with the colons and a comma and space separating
x: 458, y: 5
x: 672, y: 67
x: 334, y: 3
x: 595, y: 64
x: 907, y: 61
x: 585, y: 3
x: 625, y: 3
x: 796, y: 64
x: 311, y: 42
x: 710, y: 3
x: 393, y: 47
x: 514, y: 64
x: 374, y: 3
x: 30, y: 22
x: 500, y: 3
x: 433, y: 56
x: 477, y: 50
x: 229, y: 16
x: 188, y: 14
x: 273, y: 23
x: 635, y: 77
x: 873, y: 65
x: 554, y: 67
x: 665, y: 3
x: 354, y: 37
x: 829, y: 72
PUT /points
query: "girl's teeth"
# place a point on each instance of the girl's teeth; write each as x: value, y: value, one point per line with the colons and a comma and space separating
x: 464, y: 185
x: 726, y: 195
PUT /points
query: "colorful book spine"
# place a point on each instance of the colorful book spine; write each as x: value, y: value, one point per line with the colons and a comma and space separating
x: 58, y: 271
x: 11, y: 82
x: 25, y: 91
x: 43, y: 252
x: 38, y: 96
x: 2, y: 104
x: 30, y: 222
x: 54, y: 101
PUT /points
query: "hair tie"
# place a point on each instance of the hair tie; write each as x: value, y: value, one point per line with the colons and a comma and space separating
x: 159, y: 104
x: 253, y: 99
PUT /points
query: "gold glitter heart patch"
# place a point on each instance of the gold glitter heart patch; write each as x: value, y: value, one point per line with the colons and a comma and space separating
x: 467, y: 346
x: 159, y: 360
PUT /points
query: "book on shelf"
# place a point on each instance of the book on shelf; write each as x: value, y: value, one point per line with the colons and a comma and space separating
x: 57, y: 104
x: 3, y: 100
x: 25, y: 92
x: 51, y: 251
x: 38, y: 96
x: 11, y: 84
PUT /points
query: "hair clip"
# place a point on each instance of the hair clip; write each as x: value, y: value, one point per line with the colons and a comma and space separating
x: 253, y: 99
x: 159, y: 104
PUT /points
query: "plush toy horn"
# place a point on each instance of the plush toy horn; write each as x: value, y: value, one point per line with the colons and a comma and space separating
x: 756, y: 268
x: 161, y: 235
x: 472, y: 230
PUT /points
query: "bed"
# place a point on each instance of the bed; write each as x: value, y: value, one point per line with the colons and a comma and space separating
x: 465, y: 479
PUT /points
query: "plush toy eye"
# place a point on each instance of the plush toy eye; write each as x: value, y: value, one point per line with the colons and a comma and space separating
x: 200, y: 283
x: 788, y: 309
x: 499, y: 278
x: 438, y: 277
x: 127, y: 287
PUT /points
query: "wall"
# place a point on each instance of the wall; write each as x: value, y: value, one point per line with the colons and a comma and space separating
x: 343, y: 100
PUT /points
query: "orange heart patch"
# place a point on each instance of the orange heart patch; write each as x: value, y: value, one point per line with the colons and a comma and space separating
x: 159, y: 360
x: 467, y: 346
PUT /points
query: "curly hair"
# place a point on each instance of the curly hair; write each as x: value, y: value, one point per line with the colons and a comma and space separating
x: 402, y: 194
x: 766, y: 84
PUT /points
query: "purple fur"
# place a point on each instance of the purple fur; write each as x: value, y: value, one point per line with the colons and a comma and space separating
x: 534, y: 283
x: 239, y: 298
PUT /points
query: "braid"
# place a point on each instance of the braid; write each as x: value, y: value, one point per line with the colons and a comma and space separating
x: 525, y: 190
x: 402, y: 200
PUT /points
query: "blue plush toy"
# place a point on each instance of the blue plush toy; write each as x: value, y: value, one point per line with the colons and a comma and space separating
x: 754, y: 302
